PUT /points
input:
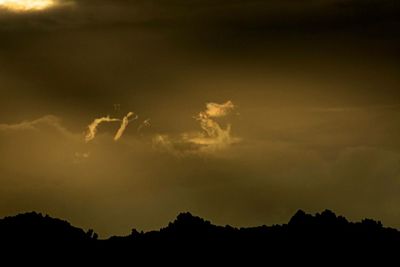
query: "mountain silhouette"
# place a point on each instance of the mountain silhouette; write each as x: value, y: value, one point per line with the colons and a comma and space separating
x: 191, y: 238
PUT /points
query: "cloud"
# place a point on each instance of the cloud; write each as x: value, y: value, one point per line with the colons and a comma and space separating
x: 255, y: 20
x: 215, y: 110
x: 163, y: 142
x: 213, y: 137
x: 24, y: 6
x: 92, y: 128
x: 263, y: 180
x: 36, y: 125
x: 124, y: 124
x: 146, y: 123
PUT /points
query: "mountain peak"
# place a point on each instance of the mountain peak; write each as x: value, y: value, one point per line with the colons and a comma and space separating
x: 186, y: 219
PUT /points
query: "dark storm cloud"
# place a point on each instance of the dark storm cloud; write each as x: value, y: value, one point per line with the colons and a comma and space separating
x: 153, y: 41
x: 227, y: 17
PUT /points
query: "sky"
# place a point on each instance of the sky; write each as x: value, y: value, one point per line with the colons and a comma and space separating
x: 121, y: 114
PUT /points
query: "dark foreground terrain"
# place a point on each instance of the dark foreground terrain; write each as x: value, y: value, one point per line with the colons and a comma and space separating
x: 190, y: 240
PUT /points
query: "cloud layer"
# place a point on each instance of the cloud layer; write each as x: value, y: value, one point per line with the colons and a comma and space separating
x: 263, y: 179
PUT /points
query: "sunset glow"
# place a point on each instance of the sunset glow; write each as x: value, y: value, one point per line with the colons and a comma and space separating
x: 26, y: 5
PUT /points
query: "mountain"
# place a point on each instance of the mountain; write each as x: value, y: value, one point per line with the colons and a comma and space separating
x: 192, y: 238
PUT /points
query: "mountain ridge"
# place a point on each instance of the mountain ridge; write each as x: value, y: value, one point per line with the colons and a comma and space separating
x: 185, y: 221
x: 192, y: 237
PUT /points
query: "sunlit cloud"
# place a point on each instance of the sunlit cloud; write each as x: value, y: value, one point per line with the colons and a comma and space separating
x: 212, y: 137
x: 215, y: 110
x: 27, y: 5
x: 92, y: 128
x: 124, y: 124
x: 34, y: 125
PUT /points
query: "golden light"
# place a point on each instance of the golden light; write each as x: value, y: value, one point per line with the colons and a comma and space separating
x: 26, y: 5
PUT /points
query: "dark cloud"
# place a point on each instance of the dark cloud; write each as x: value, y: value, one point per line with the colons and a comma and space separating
x: 227, y: 17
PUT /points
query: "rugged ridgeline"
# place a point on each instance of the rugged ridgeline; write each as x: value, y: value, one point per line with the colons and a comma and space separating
x: 189, y: 237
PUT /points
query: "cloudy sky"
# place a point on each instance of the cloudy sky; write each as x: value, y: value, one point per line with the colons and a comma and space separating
x: 243, y: 110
